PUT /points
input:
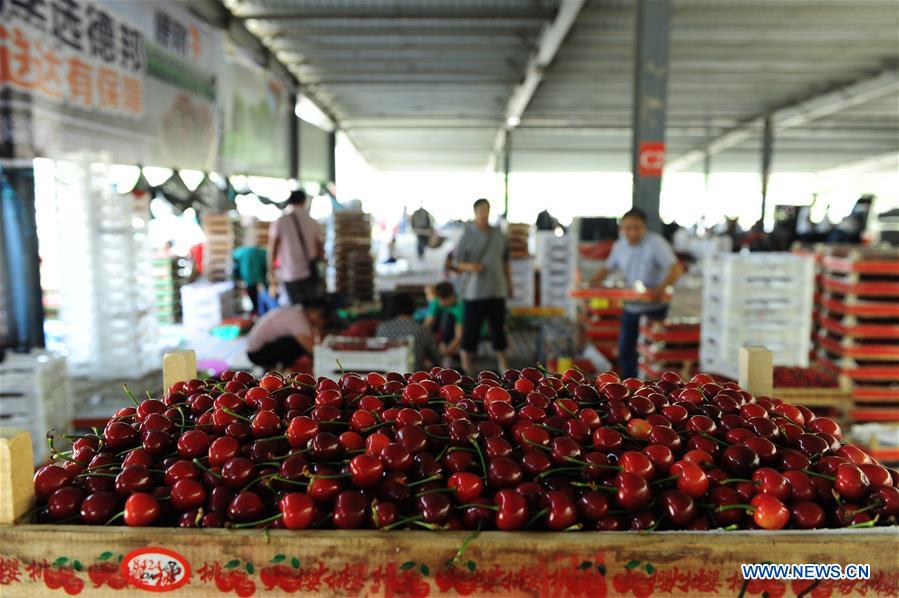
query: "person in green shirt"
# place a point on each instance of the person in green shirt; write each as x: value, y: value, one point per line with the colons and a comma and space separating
x: 251, y: 266
x: 447, y: 313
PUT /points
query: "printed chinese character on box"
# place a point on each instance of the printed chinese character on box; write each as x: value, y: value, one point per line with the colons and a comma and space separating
x: 73, y: 52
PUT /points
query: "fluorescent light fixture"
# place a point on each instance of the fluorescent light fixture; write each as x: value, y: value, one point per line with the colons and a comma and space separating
x: 191, y: 178
x: 156, y: 175
x: 271, y: 188
x: 307, y: 110
x: 124, y: 177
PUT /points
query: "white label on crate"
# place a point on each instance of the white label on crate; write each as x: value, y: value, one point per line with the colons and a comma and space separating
x: 155, y: 569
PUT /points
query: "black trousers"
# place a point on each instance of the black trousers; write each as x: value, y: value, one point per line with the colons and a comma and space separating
x: 446, y: 327
x: 282, y: 351
x: 300, y: 291
x: 253, y: 294
x: 627, y: 339
x: 476, y: 311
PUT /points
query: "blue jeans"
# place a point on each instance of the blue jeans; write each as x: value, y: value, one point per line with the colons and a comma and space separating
x: 627, y: 339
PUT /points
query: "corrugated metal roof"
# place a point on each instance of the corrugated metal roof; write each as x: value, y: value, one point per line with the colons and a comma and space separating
x: 424, y: 83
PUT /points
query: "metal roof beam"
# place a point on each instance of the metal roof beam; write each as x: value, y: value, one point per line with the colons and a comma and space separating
x: 385, y: 11
x: 795, y: 115
x: 888, y: 161
x: 550, y: 41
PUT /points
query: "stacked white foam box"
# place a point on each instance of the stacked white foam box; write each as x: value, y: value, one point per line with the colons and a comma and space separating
x: 106, y: 287
x: 36, y: 396
x: 205, y: 304
x: 556, y: 260
x: 522, y: 282
x: 762, y: 299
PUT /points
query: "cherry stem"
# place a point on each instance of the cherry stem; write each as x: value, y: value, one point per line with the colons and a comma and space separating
x: 819, y: 475
x: 468, y: 540
x: 588, y: 464
x: 869, y: 523
x: 28, y: 514
x: 551, y: 429
x: 340, y: 366
x: 206, y: 469
x: 748, y: 508
x: 435, y: 491
x: 115, y: 517
x: 376, y: 426
x: 550, y: 472
x: 237, y: 415
x: 537, y: 516
x: 400, y: 522
x: 734, y: 480
x: 424, y: 480
x: 437, y: 436
x: 475, y: 505
x: 97, y: 473
x: 567, y: 410
x: 130, y: 395
x: 574, y: 528
x: 713, y: 439
x: 663, y: 480
x: 474, y: 443
x: 868, y: 508
x: 257, y: 523
x: 538, y: 445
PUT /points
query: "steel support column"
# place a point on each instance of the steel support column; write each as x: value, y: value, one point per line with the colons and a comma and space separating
x: 507, y: 162
x: 650, y: 103
x: 767, y: 152
x: 293, y: 139
x: 332, y: 154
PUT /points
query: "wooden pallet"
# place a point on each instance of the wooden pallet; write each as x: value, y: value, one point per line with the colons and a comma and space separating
x: 96, y: 560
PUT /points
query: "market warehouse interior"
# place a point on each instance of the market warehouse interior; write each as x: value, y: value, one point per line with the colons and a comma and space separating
x: 613, y: 191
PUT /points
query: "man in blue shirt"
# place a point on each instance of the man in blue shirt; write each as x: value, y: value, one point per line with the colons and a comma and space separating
x: 645, y: 257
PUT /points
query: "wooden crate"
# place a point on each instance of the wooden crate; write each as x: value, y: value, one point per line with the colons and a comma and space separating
x: 104, y: 561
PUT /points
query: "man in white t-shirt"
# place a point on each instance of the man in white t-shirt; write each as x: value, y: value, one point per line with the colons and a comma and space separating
x: 294, y: 248
x: 285, y: 334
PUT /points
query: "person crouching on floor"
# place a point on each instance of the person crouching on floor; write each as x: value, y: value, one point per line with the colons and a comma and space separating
x: 285, y: 334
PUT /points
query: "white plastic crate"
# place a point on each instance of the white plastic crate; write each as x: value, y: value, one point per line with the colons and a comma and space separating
x: 204, y: 305
x: 759, y: 271
x: 522, y: 282
x: 756, y: 299
x: 35, y: 395
x: 379, y: 358
x: 105, y: 288
x: 556, y: 260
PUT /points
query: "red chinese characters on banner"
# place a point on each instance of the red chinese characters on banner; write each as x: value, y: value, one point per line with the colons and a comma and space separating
x: 651, y: 158
x: 75, y: 53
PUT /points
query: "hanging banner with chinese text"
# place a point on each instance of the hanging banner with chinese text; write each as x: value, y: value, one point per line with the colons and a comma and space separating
x: 256, y: 113
x: 134, y: 82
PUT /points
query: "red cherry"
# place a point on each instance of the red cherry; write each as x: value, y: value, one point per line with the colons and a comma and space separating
x: 562, y: 512
x: 366, y: 470
x: 691, y: 480
x: 467, y: 486
x: 223, y: 449
x: 512, y: 510
x: 246, y: 507
x: 50, y: 478
x: 415, y: 394
x: 851, y: 482
x: 769, y: 513
x: 187, y: 494
x: 632, y: 491
x: 141, y: 509
x: 807, y: 515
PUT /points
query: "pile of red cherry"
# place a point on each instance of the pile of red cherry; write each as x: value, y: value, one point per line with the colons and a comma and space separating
x: 439, y: 450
